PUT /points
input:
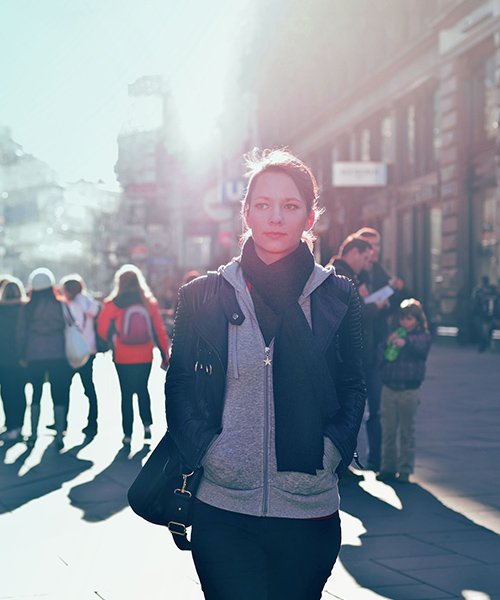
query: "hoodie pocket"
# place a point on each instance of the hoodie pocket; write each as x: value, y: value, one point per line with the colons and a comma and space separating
x: 234, y: 460
x: 305, y: 484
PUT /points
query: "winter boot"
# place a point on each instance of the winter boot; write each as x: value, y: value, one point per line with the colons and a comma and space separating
x: 60, y: 415
x: 35, y: 417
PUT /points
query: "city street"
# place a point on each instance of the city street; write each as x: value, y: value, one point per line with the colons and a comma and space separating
x: 67, y: 532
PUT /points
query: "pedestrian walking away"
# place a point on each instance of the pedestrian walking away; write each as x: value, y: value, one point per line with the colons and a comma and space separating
x: 402, y: 359
x: 84, y: 310
x: 12, y: 374
x: 265, y: 392
x: 130, y: 319
x: 42, y: 351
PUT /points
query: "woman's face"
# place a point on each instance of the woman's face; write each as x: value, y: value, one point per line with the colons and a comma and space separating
x: 277, y: 216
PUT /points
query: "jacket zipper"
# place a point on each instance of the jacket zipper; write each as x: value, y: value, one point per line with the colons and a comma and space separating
x: 267, y: 378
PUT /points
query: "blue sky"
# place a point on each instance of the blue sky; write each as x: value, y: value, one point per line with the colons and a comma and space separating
x: 66, y: 65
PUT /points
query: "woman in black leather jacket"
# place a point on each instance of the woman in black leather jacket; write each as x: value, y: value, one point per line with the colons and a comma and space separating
x: 265, y: 392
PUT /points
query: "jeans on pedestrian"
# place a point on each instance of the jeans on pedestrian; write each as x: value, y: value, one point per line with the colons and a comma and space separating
x: 373, y: 382
x: 262, y: 558
x: 133, y: 378
x: 398, y: 414
x: 13, y: 382
x: 86, y: 375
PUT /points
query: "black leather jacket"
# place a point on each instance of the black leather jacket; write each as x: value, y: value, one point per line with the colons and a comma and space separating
x: 196, y: 378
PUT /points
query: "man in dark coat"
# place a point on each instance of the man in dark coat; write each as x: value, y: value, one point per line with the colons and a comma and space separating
x: 355, y: 255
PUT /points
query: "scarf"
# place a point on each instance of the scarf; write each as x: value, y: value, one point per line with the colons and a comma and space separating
x: 301, y: 379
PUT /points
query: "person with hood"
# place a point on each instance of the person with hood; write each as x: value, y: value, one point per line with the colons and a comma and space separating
x: 12, y: 374
x: 130, y: 319
x: 42, y: 350
x: 265, y: 392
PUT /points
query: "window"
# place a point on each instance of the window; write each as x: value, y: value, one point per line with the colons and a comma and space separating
x: 436, y: 243
x: 490, y: 105
x: 387, y: 143
x: 366, y: 140
x: 353, y: 147
x: 488, y: 236
x: 437, y: 141
x: 411, y: 128
x: 483, y: 106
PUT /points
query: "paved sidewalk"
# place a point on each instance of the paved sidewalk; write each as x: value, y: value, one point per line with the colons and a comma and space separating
x: 68, y: 534
x: 438, y: 537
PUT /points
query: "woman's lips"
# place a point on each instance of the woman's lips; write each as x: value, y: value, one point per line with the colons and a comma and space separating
x: 274, y: 234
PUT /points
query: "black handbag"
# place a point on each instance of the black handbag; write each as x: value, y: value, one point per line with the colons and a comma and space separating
x: 164, y: 494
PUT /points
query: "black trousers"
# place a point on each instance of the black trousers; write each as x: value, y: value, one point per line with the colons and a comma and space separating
x: 241, y: 557
x: 87, y: 377
x: 133, y: 379
x: 58, y: 372
x: 12, y: 384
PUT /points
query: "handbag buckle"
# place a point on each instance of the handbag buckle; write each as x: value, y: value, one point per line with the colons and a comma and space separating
x: 177, y: 528
x: 183, y: 489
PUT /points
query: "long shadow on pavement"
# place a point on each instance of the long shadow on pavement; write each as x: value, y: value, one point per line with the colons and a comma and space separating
x: 49, y: 474
x: 424, y: 547
x: 106, y: 494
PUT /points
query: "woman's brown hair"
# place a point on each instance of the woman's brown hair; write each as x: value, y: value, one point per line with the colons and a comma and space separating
x: 281, y: 160
x: 130, y: 278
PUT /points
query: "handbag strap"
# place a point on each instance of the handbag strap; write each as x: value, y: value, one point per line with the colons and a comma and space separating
x: 184, y: 503
x: 69, y: 319
x: 185, y: 495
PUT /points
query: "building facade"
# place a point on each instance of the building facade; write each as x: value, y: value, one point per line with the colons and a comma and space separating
x: 409, y: 84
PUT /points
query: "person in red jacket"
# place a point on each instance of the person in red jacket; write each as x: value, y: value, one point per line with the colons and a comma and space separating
x: 130, y: 319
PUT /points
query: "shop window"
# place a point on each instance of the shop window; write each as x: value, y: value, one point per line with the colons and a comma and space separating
x: 387, y: 141
x: 365, y: 145
x: 436, y: 247
x: 487, y: 235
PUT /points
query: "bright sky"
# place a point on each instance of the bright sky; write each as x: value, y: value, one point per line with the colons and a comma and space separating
x: 66, y: 65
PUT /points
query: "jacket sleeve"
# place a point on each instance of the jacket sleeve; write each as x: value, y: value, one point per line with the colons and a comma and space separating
x: 187, y: 423
x: 160, y: 332
x: 349, y: 383
x: 418, y: 345
x: 104, y: 320
x: 89, y: 305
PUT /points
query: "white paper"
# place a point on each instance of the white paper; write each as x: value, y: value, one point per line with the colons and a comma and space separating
x: 380, y: 295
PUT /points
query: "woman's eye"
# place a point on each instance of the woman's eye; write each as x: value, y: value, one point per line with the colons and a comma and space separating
x: 291, y: 206
x: 261, y: 205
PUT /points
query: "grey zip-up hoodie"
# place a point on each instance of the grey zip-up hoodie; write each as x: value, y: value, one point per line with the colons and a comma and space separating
x: 240, y: 472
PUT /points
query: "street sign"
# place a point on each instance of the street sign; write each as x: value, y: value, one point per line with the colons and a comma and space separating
x: 233, y: 191
x: 359, y: 174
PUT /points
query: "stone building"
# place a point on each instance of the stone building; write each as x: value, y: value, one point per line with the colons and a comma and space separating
x: 411, y: 86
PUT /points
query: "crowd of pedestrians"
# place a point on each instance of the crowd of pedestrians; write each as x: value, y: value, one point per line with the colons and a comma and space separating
x: 33, y: 349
